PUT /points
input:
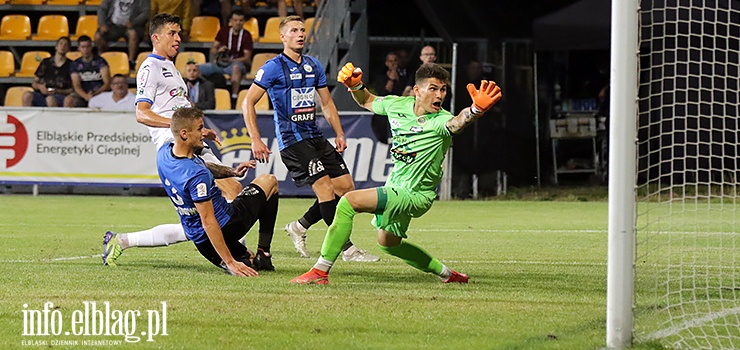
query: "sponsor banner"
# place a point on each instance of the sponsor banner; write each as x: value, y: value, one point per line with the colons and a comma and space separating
x: 75, y: 146
x: 368, y: 160
x: 85, y: 147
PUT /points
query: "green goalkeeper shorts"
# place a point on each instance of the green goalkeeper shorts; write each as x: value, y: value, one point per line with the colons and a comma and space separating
x: 396, y: 207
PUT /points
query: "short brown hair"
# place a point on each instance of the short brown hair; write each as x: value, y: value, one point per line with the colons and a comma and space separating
x: 160, y: 20
x: 432, y: 70
x: 289, y: 19
x: 183, y: 118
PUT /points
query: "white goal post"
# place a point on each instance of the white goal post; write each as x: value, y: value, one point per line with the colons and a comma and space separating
x: 673, y: 274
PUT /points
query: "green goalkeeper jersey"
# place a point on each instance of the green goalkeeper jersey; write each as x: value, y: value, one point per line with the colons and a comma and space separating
x: 419, y: 143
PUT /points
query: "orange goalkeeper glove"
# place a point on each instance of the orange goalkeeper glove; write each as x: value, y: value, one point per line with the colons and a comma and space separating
x: 351, y: 77
x: 484, y: 98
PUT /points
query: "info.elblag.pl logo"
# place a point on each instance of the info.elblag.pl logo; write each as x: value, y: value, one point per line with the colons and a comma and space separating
x: 51, y: 326
x: 13, y: 141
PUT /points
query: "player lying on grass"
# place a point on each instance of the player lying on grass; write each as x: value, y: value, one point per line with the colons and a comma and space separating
x: 214, y: 225
x: 422, y: 132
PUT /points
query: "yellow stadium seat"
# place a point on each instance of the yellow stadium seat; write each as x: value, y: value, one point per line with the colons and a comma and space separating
x: 139, y: 60
x: 52, y: 27
x: 93, y: 2
x: 272, y: 31
x: 258, y: 61
x: 14, y: 95
x: 252, y: 26
x: 262, y: 105
x: 223, y: 100
x: 309, y: 22
x: 26, y: 2
x: 63, y: 2
x: 117, y: 62
x: 183, y: 58
x: 73, y: 55
x: 204, y: 28
x: 7, y: 64
x: 86, y: 25
x: 30, y: 62
x: 15, y: 27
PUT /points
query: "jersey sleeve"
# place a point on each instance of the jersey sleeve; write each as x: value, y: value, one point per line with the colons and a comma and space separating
x: 146, y: 85
x: 439, y: 124
x: 199, y: 186
x: 320, y: 75
x: 267, y: 75
x: 381, y: 104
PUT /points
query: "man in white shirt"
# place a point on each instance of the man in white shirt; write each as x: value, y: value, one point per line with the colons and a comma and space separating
x: 160, y: 91
x: 119, y: 99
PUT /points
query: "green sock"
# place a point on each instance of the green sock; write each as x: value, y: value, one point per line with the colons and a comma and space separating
x: 415, y: 256
x: 339, y: 231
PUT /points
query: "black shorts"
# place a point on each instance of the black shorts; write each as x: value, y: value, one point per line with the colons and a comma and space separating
x: 247, y: 206
x: 312, y: 159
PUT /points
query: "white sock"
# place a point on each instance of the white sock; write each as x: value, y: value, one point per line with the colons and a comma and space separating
x: 446, y: 273
x: 323, y: 264
x: 157, y: 236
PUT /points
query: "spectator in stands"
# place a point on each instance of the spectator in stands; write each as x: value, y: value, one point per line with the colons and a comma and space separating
x: 118, y: 99
x: 389, y: 82
x: 122, y: 19
x: 282, y: 7
x: 90, y: 75
x: 52, y: 82
x: 231, y: 52
x: 427, y: 55
x: 179, y: 8
x: 201, y: 92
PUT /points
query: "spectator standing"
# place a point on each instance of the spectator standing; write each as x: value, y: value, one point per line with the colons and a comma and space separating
x: 427, y: 55
x: 122, y: 19
x: 52, y: 82
x: 231, y: 52
x: 201, y: 92
x: 90, y: 75
x: 389, y: 82
x: 118, y: 99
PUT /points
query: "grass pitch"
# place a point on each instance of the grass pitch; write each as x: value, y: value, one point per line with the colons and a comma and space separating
x: 537, y: 271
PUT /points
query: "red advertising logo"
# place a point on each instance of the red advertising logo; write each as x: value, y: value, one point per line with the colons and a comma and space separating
x: 20, y: 144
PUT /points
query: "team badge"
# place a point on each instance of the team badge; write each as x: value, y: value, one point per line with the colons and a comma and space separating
x: 421, y: 120
x: 307, y: 68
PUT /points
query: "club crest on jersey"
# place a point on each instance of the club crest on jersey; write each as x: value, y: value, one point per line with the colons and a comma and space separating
x: 302, y: 97
x: 307, y: 68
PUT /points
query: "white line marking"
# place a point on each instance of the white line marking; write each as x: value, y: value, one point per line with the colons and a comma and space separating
x: 52, y: 259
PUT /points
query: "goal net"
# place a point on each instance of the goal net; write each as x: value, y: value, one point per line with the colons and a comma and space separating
x: 687, y: 260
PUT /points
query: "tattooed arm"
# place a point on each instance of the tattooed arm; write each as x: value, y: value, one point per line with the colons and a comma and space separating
x: 483, y: 100
x: 461, y: 121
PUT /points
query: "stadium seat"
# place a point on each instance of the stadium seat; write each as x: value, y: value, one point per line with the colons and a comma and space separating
x: 117, y: 62
x: 262, y: 105
x: 93, y: 2
x: 63, y: 2
x: 309, y: 22
x: 223, y: 99
x: 258, y: 61
x: 86, y: 25
x: 7, y: 64
x: 272, y: 31
x: 73, y: 55
x: 14, y: 95
x: 182, y: 59
x: 139, y: 60
x: 204, y: 28
x: 52, y: 27
x: 252, y: 26
x: 26, y: 2
x: 15, y: 27
x: 30, y: 62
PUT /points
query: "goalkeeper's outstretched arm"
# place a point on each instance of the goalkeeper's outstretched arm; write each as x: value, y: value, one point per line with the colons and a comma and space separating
x: 483, y: 99
x: 351, y: 77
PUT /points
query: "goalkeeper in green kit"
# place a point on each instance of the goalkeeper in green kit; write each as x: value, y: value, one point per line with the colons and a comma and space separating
x: 422, y: 132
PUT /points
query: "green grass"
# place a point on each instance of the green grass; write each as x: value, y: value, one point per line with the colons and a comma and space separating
x: 537, y: 269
